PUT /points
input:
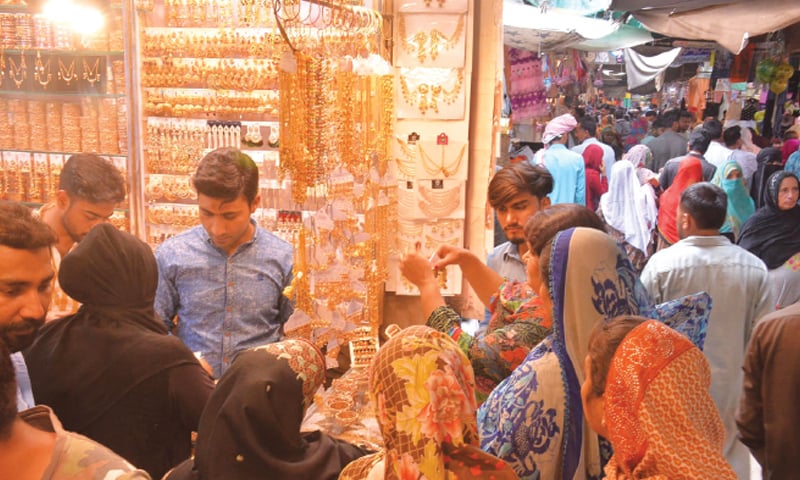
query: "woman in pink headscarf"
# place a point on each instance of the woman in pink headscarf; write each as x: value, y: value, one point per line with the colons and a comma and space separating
x: 596, y: 182
x: 789, y: 147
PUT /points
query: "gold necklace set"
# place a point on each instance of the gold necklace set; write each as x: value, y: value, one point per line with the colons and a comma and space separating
x: 424, y: 44
x: 441, y: 166
x: 41, y: 71
x: 427, y: 96
x: 18, y: 72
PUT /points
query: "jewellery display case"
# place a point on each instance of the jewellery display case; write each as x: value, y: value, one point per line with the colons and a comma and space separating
x: 209, y: 79
x: 302, y: 89
x: 60, y: 93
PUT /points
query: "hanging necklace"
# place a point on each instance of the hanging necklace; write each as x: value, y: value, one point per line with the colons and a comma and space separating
x: 66, y: 74
x: 406, y: 167
x: 2, y: 66
x: 41, y: 72
x: 435, y: 168
x: 423, y: 44
x: 18, y: 73
x: 439, y: 203
x: 91, y: 75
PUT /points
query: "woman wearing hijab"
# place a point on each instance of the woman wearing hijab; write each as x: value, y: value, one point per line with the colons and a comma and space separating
x: 772, y: 233
x: 647, y: 391
x: 789, y: 147
x: 640, y: 156
x: 690, y: 171
x: 111, y: 372
x: 596, y: 183
x: 729, y: 177
x: 533, y: 420
x: 630, y: 214
x: 769, y: 162
x: 250, y: 428
x: 421, y: 385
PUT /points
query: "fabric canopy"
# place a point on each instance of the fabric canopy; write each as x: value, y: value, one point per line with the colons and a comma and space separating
x: 624, y: 37
x: 730, y: 25
x: 642, y: 69
x: 668, y: 6
x: 529, y: 28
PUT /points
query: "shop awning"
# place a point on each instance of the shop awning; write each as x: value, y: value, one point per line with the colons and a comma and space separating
x: 729, y: 23
x: 529, y: 28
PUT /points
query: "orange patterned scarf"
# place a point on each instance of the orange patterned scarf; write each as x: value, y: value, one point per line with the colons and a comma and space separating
x: 661, y: 419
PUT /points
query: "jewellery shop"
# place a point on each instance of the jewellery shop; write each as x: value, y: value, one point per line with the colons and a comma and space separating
x: 358, y: 115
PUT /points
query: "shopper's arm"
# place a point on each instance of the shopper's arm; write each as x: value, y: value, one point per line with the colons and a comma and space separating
x: 483, y: 280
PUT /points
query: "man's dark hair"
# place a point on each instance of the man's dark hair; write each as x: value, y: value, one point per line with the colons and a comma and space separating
x: 21, y: 230
x: 686, y: 114
x: 706, y: 203
x: 713, y: 127
x: 588, y: 123
x: 8, y: 392
x: 731, y: 135
x: 518, y: 178
x: 669, y: 117
x: 711, y: 110
x: 226, y: 173
x: 90, y: 177
x: 699, y: 140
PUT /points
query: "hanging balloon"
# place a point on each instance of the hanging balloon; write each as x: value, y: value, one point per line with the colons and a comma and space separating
x: 598, y: 83
x: 777, y: 87
x: 765, y: 70
x: 783, y: 72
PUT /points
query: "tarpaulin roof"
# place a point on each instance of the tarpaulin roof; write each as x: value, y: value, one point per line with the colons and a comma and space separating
x: 530, y: 28
x: 729, y: 23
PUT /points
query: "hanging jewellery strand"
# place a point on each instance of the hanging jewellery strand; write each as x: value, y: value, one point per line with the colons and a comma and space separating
x: 2, y: 66
x: 41, y: 71
x: 434, y: 168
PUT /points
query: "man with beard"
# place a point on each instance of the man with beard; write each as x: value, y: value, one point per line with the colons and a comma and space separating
x: 26, y: 281
x: 516, y: 192
x: 89, y: 188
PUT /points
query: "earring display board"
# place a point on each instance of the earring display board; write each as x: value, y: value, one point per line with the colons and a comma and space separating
x: 57, y: 88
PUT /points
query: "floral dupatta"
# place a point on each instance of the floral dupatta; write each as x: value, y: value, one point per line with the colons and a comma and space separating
x: 422, y: 387
x: 534, y: 419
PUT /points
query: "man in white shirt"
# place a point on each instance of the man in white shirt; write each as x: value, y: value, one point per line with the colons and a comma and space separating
x: 704, y: 260
x: 717, y: 153
x: 26, y: 281
x: 732, y: 136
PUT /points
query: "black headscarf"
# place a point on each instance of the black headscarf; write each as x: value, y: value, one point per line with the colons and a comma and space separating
x: 82, y: 365
x: 769, y: 161
x: 250, y: 428
x: 770, y: 233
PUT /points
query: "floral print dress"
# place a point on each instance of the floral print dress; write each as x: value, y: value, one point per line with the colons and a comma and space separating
x: 517, y: 325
